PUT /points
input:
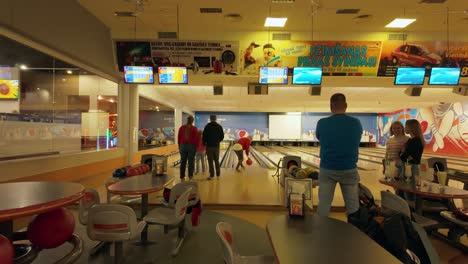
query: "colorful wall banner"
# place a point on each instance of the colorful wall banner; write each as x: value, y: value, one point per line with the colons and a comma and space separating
x: 179, y: 53
x: 444, y: 127
x: 335, y: 57
x: 423, y: 54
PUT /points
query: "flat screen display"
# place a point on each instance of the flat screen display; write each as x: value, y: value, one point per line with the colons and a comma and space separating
x: 273, y: 75
x: 173, y: 75
x: 138, y: 74
x: 444, y: 76
x: 410, y: 76
x: 9, y: 89
x: 307, y: 75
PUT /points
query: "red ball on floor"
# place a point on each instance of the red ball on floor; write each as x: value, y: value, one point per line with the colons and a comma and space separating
x: 51, y: 229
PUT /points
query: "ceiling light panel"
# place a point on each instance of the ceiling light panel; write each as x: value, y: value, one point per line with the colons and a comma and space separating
x: 275, y: 21
x: 400, y: 22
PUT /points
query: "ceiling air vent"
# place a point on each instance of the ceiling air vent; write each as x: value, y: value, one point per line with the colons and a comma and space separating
x: 433, y: 1
x: 282, y: 1
x: 347, y: 11
x: 363, y: 19
x: 124, y: 14
x: 397, y: 36
x: 167, y: 35
x: 281, y: 36
x: 211, y: 10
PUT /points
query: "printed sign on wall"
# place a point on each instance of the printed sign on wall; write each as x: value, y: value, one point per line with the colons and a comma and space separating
x: 423, y: 54
x: 335, y: 57
x: 179, y: 53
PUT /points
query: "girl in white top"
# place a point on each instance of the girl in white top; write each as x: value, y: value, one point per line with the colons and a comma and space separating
x: 395, y: 145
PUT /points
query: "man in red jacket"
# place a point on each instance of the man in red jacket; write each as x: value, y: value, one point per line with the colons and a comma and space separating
x: 243, y: 144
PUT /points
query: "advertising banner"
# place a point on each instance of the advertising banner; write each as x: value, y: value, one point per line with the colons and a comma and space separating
x: 423, y: 54
x: 194, y: 54
x: 346, y: 58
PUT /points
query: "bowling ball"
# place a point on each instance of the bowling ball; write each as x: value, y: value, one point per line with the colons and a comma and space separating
x: 290, y: 169
x: 291, y: 163
x: 249, y: 162
x: 51, y: 229
x: 301, y: 174
x: 7, y: 253
x: 294, y: 171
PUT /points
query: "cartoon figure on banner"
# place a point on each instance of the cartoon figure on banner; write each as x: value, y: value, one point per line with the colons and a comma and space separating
x: 269, y: 56
x: 248, y: 59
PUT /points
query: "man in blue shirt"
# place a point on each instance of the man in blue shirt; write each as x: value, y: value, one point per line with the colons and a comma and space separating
x: 339, y: 136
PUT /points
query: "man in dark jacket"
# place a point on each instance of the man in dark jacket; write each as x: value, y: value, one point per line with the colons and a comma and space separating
x: 212, y: 135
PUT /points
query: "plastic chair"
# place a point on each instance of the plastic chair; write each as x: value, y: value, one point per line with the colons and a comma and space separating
x: 398, y: 204
x: 172, y: 217
x: 113, y: 223
x: 230, y: 254
x: 90, y: 198
x: 430, y: 251
x: 180, y: 188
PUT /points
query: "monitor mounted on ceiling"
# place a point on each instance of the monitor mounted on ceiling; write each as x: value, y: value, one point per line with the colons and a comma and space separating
x: 138, y: 74
x: 273, y: 75
x: 410, y: 76
x: 173, y: 75
x: 307, y: 76
x: 444, y: 76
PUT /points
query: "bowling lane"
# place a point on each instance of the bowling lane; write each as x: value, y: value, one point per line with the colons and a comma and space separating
x: 270, y: 153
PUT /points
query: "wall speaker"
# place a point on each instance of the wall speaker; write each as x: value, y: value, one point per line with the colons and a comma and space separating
x: 217, y: 90
x: 315, y: 90
x: 413, y: 91
x: 257, y: 88
x: 461, y: 89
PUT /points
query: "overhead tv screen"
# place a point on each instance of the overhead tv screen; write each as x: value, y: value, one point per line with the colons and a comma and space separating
x: 410, y: 76
x: 138, y: 74
x: 173, y: 75
x: 273, y: 75
x: 307, y: 75
x: 444, y: 76
x: 9, y: 89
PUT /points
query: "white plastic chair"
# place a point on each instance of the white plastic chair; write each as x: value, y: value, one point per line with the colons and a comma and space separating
x: 230, y: 254
x: 90, y: 198
x: 172, y: 217
x: 180, y: 188
x: 113, y: 223
x: 398, y: 204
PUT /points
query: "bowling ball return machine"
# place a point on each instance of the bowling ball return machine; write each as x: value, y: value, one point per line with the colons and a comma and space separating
x: 286, y: 163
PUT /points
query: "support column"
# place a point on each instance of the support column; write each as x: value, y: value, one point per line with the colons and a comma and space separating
x: 177, y: 122
x: 133, y: 110
x: 123, y: 130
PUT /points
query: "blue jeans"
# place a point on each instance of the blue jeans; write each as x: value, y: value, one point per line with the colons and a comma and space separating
x: 200, y: 158
x: 349, y: 183
x: 187, y: 153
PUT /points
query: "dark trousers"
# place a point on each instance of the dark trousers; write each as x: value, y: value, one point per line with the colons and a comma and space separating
x: 187, y: 153
x: 213, y: 156
x: 240, y: 158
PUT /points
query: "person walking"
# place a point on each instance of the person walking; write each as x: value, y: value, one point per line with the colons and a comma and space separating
x: 187, y: 140
x: 213, y: 134
x: 243, y: 144
x: 339, y: 136
x: 200, y: 155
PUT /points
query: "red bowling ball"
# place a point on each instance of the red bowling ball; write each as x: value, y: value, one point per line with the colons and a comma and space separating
x: 7, y: 253
x: 51, y: 229
x: 249, y: 162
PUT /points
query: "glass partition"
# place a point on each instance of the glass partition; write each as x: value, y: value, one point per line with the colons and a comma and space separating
x: 156, y: 124
x: 48, y: 106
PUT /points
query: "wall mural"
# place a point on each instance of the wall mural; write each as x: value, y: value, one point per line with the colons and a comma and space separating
x: 237, y: 125
x: 445, y: 127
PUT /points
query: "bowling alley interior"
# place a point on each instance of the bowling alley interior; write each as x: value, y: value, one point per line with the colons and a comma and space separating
x: 185, y: 131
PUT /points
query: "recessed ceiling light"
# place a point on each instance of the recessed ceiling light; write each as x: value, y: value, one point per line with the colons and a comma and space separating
x: 111, y: 100
x: 99, y: 97
x: 400, y: 22
x: 69, y: 72
x: 23, y: 67
x: 275, y: 21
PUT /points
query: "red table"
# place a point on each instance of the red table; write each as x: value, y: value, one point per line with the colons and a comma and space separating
x: 144, y: 185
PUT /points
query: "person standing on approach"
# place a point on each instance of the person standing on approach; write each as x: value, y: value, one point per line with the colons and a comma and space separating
x: 339, y: 136
x: 243, y: 144
x: 412, y: 152
x: 394, y: 146
x: 187, y: 140
x: 200, y: 155
x: 212, y: 135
